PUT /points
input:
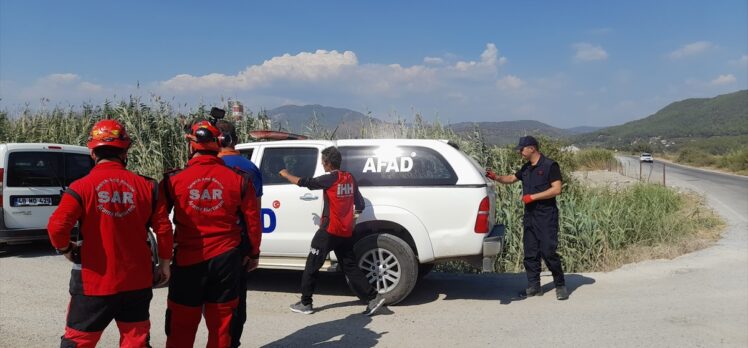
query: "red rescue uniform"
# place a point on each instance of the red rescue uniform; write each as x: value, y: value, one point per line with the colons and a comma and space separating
x: 114, y: 207
x: 208, y: 198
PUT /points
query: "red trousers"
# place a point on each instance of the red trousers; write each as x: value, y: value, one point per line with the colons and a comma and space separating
x: 209, y: 288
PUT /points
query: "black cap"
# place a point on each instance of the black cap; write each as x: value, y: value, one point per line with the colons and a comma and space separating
x: 527, y: 141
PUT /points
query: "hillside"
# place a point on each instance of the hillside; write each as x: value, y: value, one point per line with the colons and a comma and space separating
x: 680, y: 122
x: 298, y: 119
x: 504, y: 133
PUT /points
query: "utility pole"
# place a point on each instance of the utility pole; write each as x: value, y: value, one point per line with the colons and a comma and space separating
x: 640, y: 170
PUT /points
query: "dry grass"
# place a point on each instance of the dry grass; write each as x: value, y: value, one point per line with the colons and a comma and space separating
x: 707, y: 234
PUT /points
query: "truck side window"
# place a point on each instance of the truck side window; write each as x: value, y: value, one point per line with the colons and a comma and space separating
x: 397, y: 166
x: 299, y: 161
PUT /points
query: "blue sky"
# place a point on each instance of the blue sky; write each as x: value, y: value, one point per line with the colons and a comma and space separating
x: 565, y: 63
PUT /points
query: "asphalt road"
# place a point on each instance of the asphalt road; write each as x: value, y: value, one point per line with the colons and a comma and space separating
x: 696, y: 300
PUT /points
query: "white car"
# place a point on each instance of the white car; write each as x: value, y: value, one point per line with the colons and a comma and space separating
x: 646, y: 157
x: 426, y: 201
x: 32, y: 178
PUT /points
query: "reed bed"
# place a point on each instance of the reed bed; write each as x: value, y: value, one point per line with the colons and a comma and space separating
x: 597, y: 226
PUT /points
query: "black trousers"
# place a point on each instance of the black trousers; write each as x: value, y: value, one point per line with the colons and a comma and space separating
x: 241, y: 311
x: 88, y: 316
x: 322, y: 244
x: 540, y: 240
x: 209, y: 288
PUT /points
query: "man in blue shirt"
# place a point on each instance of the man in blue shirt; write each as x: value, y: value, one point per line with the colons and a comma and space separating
x: 235, y: 159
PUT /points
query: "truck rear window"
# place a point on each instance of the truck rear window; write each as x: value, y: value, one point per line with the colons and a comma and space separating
x: 397, y: 166
x: 46, y: 169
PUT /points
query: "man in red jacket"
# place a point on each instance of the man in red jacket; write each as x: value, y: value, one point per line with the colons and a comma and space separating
x: 342, y: 203
x: 111, y: 276
x: 207, y: 198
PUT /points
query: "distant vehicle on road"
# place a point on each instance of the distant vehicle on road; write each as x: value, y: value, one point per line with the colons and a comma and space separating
x: 646, y: 157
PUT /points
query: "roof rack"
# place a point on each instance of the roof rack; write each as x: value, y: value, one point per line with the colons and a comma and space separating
x: 275, y: 135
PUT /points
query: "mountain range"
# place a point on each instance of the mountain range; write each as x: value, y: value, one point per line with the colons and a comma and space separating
x: 695, y: 118
x: 347, y: 123
x: 679, y: 122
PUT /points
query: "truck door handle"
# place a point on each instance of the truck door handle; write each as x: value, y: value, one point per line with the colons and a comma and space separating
x: 308, y: 197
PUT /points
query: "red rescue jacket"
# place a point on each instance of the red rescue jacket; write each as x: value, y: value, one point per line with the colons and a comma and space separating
x: 340, y: 199
x: 115, y: 208
x: 208, y: 198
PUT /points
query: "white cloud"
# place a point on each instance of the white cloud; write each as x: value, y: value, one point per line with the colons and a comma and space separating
x: 586, y: 52
x: 691, y: 49
x: 59, y: 87
x: 61, y: 78
x: 433, y: 60
x: 741, y: 62
x: 510, y: 82
x: 304, y: 66
x: 340, y: 72
x: 488, y: 59
x: 723, y: 80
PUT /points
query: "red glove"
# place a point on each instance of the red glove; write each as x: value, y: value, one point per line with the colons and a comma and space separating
x: 527, y: 199
x: 491, y: 175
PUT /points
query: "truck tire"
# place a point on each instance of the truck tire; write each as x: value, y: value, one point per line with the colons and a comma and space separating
x: 389, y: 264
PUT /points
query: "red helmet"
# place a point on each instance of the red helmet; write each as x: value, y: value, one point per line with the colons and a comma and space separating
x: 204, y: 136
x: 109, y: 133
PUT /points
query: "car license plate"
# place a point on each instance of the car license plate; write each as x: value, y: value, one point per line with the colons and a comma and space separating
x: 32, y: 201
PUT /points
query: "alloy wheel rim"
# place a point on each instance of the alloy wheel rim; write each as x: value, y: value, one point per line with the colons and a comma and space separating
x: 381, y: 268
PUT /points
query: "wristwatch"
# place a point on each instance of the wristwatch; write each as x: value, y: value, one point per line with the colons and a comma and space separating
x: 64, y: 251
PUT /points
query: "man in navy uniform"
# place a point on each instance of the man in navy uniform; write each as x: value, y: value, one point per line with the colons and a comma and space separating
x: 541, y: 183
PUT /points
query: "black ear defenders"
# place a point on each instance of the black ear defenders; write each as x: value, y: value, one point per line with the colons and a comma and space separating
x: 203, y: 135
x: 225, y: 139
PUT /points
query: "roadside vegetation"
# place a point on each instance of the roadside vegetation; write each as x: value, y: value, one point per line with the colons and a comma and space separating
x: 600, y: 228
x: 595, y: 159
x: 724, y: 153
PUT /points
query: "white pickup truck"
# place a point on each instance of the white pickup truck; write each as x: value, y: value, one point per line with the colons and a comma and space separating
x: 426, y: 201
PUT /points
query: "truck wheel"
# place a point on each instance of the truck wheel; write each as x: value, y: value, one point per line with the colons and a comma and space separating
x: 389, y: 264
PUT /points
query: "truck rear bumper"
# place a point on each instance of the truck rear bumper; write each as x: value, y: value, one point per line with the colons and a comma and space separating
x: 493, y: 244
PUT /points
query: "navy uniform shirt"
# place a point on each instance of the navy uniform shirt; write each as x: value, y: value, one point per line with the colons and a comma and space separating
x: 538, y: 178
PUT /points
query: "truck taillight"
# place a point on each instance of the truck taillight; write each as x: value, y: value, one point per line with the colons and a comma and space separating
x: 2, y: 175
x: 481, y: 221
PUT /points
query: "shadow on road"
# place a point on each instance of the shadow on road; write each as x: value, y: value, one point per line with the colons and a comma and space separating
x: 491, y: 287
x: 350, y: 331
x: 31, y: 249
x: 290, y: 281
x: 503, y: 287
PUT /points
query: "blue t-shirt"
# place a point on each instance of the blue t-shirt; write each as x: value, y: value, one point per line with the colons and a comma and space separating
x: 246, y: 165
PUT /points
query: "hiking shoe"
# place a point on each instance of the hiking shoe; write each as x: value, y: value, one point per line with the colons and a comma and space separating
x: 531, y: 291
x: 561, y: 293
x: 374, y: 305
x: 299, y: 307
